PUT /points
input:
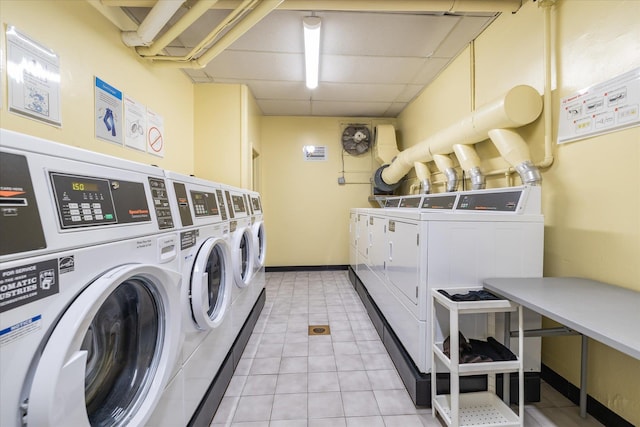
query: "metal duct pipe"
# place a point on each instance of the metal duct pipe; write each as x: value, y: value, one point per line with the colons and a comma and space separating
x: 423, y: 174
x: 196, y: 11
x: 158, y: 16
x: 519, y: 106
x: 445, y: 165
x: 470, y: 163
x: 515, y: 151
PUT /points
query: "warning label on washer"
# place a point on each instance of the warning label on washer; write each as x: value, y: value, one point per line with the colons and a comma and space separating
x: 188, y: 239
x: 27, y: 283
x: 19, y: 330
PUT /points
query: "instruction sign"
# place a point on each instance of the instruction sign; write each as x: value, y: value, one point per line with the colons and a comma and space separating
x: 603, y: 108
x: 27, y: 283
x: 33, y: 78
x: 135, y: 116
x: 108, y: 112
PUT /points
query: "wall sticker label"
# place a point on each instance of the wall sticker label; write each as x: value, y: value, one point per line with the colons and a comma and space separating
x: 27, y: 283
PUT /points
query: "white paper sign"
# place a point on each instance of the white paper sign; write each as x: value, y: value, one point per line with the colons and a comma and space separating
x: 603, y: 108
x: 108, y: 112
x: 135, y: 124
x: 33, y: 77
x: 155, y: 134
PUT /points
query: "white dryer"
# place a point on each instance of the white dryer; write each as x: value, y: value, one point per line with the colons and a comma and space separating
x: 90, y: 323
x: 207, y: 275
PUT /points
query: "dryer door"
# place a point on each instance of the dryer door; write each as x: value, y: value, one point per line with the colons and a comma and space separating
x: 111, y: 353
x: 242, y: 254
x: 260, y: 243
x: 211, y: 281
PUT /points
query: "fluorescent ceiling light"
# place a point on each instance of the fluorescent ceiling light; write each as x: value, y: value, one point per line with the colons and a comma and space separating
x: 311, y: 25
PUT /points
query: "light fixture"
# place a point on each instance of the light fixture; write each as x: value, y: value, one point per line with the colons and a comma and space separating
x: 311, y: 25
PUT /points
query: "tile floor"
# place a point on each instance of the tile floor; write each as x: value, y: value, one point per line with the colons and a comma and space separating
x: 287, y: 378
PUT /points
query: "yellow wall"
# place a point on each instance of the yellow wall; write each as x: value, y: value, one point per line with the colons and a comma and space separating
x: 306, y: 211
x: 591, y: 194
x: 89, y: 45
x: 227, y: 131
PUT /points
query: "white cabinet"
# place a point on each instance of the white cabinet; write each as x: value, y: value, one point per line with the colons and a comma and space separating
x: 478, y: 408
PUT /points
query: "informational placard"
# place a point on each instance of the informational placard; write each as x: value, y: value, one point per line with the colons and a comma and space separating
x: 33, y: 78
x: 606, y: 107
x: 155, y: 134
x: 108, y: 112
x: 135, y: 119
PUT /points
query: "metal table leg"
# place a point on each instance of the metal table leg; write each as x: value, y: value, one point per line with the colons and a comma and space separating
x: 583, y: 376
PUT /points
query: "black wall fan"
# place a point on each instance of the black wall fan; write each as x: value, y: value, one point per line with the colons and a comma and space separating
x: 356, y: 139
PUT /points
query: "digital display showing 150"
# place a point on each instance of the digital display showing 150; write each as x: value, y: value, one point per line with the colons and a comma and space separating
x: 84, y: 186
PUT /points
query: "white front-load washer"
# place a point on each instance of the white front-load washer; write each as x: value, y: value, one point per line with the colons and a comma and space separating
x: 258, y: 230
x: 242, y: 255
x: 90, y: 322
x: 207, y: 275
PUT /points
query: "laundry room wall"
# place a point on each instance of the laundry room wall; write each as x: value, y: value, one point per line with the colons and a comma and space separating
x: 89, y: 45
x: 226, y: 132
x: 306, y: 210
x: 591, y: 193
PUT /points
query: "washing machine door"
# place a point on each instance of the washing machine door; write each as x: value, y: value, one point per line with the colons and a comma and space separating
x: 242, y: 254
x: 259, y: 243
x: 111, y: 353
x: 211, y: 281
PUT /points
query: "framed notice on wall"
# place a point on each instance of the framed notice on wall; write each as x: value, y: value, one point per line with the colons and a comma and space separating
x: 33, y: 78
x: 606, y: 107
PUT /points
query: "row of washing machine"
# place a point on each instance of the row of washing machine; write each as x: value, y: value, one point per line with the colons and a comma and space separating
x: 123, y: 287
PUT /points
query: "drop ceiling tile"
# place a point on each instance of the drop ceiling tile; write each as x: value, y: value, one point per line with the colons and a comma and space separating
x: 378, y: 34
x: 327, y: 91
x: 257, y: 66
x: 368, y: 69
x: 408, y: 93
x: 280, y: 31
x: 349, y: 109
x: 279, y: 90
x: 284, y: 108
x: 395, y: 109
x: 468, y: 29
x: 431, y: 68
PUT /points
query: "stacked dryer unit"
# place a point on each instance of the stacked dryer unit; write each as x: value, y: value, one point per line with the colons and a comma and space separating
x: 90, y: 321
x: 444, y: 241
x: 206, y: 268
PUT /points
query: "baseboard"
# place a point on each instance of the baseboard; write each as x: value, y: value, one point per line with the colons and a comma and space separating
x: 594, y: 408
x: 306, y: 268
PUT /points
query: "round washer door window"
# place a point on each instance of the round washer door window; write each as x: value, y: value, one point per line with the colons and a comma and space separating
x: 210, y: 280
x: 243, y: 257
x: 260, y: 243
x: 110, y: 355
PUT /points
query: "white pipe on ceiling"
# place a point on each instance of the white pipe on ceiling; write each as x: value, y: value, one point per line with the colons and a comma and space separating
x: 195, y: 12
x: 261, y: 10
x: 158, y: 16
x: 508, y: 6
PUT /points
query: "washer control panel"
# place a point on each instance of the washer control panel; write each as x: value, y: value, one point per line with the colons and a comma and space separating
x: 204, y: 204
